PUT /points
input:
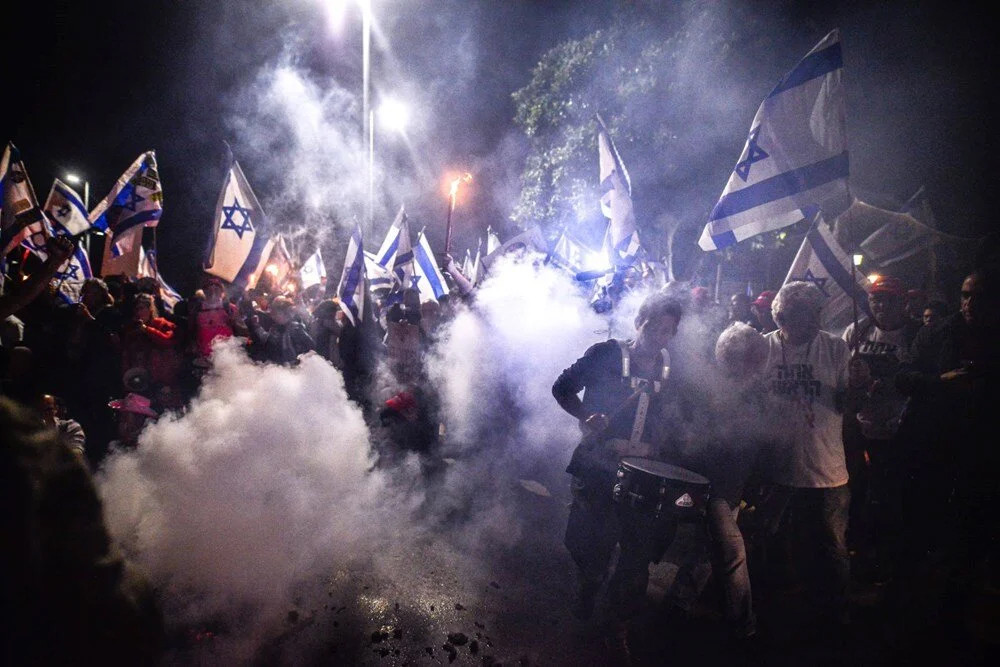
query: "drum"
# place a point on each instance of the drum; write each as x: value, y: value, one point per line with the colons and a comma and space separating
x: 661, y: 490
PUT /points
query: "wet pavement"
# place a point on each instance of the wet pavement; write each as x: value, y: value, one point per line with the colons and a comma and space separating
x: 446, y: 603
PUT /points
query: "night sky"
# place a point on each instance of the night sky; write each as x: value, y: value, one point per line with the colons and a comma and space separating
x: 91, y: 85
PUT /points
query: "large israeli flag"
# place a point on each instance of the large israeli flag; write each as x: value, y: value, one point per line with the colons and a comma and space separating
x: 621, y: 240
x: 822, y: 262
x: 241, y: 241
x: 20, y: 215
x: 795, y: 157
x: 351, y: 289
x: 135, y: 200
x: 426, y: 274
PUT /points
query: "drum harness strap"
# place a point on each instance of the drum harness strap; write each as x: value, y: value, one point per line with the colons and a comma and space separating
x: 637, y: 383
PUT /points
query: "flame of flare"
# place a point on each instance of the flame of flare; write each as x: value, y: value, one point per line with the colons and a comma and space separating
x: 272, y: 269
x: 464, y: 178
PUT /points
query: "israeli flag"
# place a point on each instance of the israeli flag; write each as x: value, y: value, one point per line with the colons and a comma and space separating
x: 20, y: 215
x: 390, y: 245
x: 476, y: 263
x: 822, y: 262
x: 135, y: 200
x: 621, y: 239
x: 351, y: 289
x: 576, y: 257
x: 65, y: 209
x: 426, y: 274
x: 467, y: 265
x: 70, y: 277
x: 379, y: 277
x: 492, y: 240
x: 313, y: 271
x: 241, y: 242
x: 148, y: 269
x: 795, y: 157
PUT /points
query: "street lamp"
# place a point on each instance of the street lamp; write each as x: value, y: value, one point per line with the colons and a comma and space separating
x: 76, y: 180
x: 394, y: 115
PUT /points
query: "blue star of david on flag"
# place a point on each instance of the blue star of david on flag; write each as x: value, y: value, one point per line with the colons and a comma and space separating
x: 133, y: 199
x: 415, y: 281
x: 70, y: 273
x: 820, y: 283
x: 754, y: 154
x: 229, y: 223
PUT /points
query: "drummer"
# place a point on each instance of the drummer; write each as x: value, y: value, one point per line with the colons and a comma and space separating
x: 629, y: 401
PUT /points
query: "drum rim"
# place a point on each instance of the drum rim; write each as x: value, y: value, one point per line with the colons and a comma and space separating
x: 687, y: 476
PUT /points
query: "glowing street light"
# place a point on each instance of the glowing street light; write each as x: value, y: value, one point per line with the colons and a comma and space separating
x: 76, y: 179
x: 394, y: 115
x: 858, y: 258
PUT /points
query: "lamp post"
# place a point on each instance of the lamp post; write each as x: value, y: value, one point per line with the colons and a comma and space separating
x: 856, y: 260
x: 75, y: 179
x: 336, y: 8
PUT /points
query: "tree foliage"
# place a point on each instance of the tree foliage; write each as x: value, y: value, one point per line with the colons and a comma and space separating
x: 677, y: 87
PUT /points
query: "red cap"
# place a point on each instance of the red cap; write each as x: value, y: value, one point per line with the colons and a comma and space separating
x: 402, y: 402
x: 888, y: 285
x: 764, y: 299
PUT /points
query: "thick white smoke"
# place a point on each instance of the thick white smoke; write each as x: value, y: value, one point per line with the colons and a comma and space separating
x: 263, y: 485
x: 530, y: 322
x: 265, y: 494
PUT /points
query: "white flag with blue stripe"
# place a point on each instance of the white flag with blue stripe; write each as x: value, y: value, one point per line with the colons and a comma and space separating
x: 795, y: 158
x: 313, y: 271
x: 241, y: 241
x: 379, y: 277
x: 148, y: 269
x: 351, y: 290
x: 622, y: 239
x: 66, y: 216
x: 822, y: 262
x: 386, y: 254
x: 135, y: 200
x: 426, y: 274
x: 907, y: 233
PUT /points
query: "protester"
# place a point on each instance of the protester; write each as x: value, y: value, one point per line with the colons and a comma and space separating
x: 879, y: 346
x: 761, y: 309
x: 739, y: 310
x: 132, y: 413
x: 328, y: 324
x: 628, y: 409
x: 731, y: 439
x: 951, y: 494
x: 70, y: 432
x: 807, y: 375
x: 151, y: 343
x: 286, y: 338
x: 214, y: 320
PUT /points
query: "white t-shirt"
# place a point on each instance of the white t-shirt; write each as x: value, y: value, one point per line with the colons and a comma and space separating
x: 804, y: 381
x: 882, y: 352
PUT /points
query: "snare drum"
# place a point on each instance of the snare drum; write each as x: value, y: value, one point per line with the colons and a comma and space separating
x: 661, y: 489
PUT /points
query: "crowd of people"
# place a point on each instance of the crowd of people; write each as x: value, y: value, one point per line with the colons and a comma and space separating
x: 815, y: 446
x: 861, y: 459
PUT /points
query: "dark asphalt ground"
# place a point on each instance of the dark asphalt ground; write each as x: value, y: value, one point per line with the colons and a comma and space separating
x: 510, y: 604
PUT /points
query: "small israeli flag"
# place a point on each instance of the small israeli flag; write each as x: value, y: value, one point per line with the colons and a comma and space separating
x: 795, y: 157
x: 241, y: 241
x: 20, y: 215
x: 426, y: 274
x: 136, y: 199
x: 822, y: 262
x: 621, y: 242
x: 313, y: 271
x: 351, y: 289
